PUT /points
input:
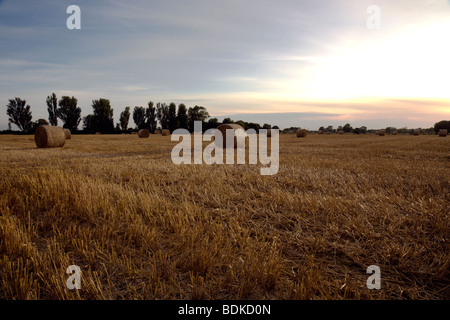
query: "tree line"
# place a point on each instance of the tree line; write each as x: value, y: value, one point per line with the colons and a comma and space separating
x: 152, y: 117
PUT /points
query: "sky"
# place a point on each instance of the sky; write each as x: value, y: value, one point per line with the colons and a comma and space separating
x: 283, y: 62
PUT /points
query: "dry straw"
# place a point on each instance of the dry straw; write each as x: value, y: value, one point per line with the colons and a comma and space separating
x: 49, y: 137
x: 302, y: 133
x: 443, y: 132
x: 238, y: 131
x: 143, y: 133
x: 165, y: 132
x: 68, y: 134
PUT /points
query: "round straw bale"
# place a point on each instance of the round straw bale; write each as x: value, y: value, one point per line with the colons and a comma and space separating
x: 238, y: 131
x: 394, y: 133
x: 143, y: 133
x: 416, y: 132
x: 341, y: 132
x: 381, y: 132
x: 157, y: 131
x: 68, y: 134
x: 98, y: 133
x: 321, y: 132
x: 443, y: 132
x: 165, y: 132
x: 49, y: 137
x: 302, y: 133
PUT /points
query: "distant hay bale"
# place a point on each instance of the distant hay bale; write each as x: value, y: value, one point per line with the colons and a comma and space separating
x: 98, y: 133
x: 321, y: 132
x: 302, y: 133
x: 394, y: 133
x: 49, y: 137
x: 165, y: 132
x: 157, y: 131
x: 443, y: 132
x: 134, y: 132
x: 381, y: 132
x: 416, y: 132
x: 68, y: 134
x: 341, y: 132
x: 238, y: 132
x: 143, y: 133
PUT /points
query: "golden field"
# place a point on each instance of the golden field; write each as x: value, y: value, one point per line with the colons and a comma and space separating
x: 141, y: 227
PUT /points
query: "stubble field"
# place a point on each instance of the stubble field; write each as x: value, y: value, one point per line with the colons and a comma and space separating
x: 141, y: 227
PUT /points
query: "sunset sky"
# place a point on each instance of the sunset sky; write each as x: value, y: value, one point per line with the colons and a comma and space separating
x: 284, y: 62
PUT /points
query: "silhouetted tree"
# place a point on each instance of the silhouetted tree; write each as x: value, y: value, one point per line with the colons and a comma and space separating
x: 52, y: 108
x: 444, y: 124
x: 172, y: 117
x: 182, y: 116
x: 196, y: 113
x: 103, y: 115
x: 124, y: 118
x: 69, y: 113
x: 139, y: 117
x: 19, y: 113
x: 150, y: 117
x: 162, y: 114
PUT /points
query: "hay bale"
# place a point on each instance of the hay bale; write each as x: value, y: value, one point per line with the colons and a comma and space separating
x: 236, y: 133
x: 134, y: 132
x: 98, y: 133
x: 302, y: 133
x: 394, y: 133
x: 165, y: 132
x: 341, y: 132
x: 49, y: 137
x: 143, y: 133
x: 68, y: 134
x: 416, y: 132
x: 157, y: 131
x: 381, y: 132
x: 443, y: 132
x: 321, y: 132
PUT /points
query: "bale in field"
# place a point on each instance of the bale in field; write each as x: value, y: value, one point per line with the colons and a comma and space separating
x: 157, y: 131
x: 381, y: 132
x: 165, y: 132
x: 394, y: 133
x: 49, y: 137
x: 238, y: 132
x: 302, y: 133
x: 68, y: 134
x: 416, y: 132
x: 443, y: 132
x: 134, y: 132
x: 143, y: 133
x: 341, y: 132
x: 98, y: 133
x: 321, y: 132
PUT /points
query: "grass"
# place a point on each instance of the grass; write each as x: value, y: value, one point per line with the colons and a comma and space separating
x: 140, y: 227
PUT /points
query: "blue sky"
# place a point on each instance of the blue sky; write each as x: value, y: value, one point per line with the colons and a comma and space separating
x: 292, y: 62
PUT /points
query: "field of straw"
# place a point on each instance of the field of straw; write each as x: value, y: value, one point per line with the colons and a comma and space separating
x: 141, y: 227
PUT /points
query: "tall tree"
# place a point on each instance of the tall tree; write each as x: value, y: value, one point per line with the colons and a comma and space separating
x: 150, y: 116
x: 162, y: 114
x: 103, y: 115
x: 52, y: 108
x: 125, y: 118
x: 444, y: 124
x: 182, y: 116
x: 197, y: 113
x: 139, y: 117
x: 19, y: 113
x: 172, y: 117
x: 69, y: 113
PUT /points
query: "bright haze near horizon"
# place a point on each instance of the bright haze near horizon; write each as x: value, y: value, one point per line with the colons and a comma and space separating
x: 283, y: 62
